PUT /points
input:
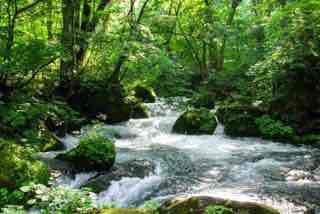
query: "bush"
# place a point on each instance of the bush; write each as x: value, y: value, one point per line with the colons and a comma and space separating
x: 56, y: 115
x: 12, y: 198
x: 274, y: 129
x: 19, y: 167
x: 59, y: 199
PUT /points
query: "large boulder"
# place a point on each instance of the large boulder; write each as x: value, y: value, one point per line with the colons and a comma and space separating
x: 97, y: 99
x: 198, y: 205
x: 144, y: 94
x: 139, y: 111
x: 196, y: 122
x: 135, y: 168
x: 19, y: 167
x: 239, y: 120
x: 94, y: 153
x: 120, y: 211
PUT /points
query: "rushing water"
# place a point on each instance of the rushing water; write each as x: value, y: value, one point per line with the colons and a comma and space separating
x: 284, y: 176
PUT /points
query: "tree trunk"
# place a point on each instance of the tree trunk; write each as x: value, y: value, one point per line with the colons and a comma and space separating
x: 68, y: 64
x: 49, y: 19
x: 234, y: 6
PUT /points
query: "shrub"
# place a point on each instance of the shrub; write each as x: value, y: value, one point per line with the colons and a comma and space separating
x: 274, y: 129
x: 19, y: 167
x: 59, y: 199
x: 12, y: 198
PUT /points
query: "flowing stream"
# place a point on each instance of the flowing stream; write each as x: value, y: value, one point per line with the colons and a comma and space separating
x: 246, y: 169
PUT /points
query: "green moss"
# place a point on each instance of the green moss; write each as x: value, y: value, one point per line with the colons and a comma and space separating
x: 196, y: 121
x: 18, y: 167
x: 218, y: 209
x: 239, y: 120
x: 123, y: 211
x: 209, y: 205
x: 139, y: 111
x: 93, y: 153
x: 187, y: 207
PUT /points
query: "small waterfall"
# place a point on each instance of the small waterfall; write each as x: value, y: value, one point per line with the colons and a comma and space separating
x: 70, y: 141
x: 129, y: 191
x: 77, y: 181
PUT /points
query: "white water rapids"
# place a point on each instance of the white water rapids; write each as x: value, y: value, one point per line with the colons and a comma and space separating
x: 281, y: 175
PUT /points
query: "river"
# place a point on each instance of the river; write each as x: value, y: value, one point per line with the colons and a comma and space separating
x: 246, y: 169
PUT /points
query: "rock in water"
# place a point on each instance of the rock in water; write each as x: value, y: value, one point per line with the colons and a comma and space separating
x: 198, y: 205
x: 119, y: 211
x: 239, y: 120
x: 94, y: 153
x: 95, y: 99
x: 196, y: 122
x: 144, y: 94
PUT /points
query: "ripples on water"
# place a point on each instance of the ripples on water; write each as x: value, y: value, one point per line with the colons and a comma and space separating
x: 284, y: 176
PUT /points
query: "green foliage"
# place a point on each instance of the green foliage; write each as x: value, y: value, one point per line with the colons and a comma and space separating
x: 274, y: 129
x: 19, y: 167
x: 13, y: 209
x: 151, y: 206
x: 217, y: 209
x: 60, y: 200
x: 20, y: 116
x: 10, y: 197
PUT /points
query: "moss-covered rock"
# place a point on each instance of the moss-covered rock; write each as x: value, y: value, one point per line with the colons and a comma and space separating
x: 139, y: 111
x: 197, y: 205
x: 120, y: 211
x: 93, y: 153
x: 196, y: 122
x: 97, y: 99
x: 239, y: 120
x: 144, y: 94
x: 18, y: 166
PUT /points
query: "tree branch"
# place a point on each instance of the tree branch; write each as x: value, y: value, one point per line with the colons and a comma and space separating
x: 22, y: 10
x: 35, y: 73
